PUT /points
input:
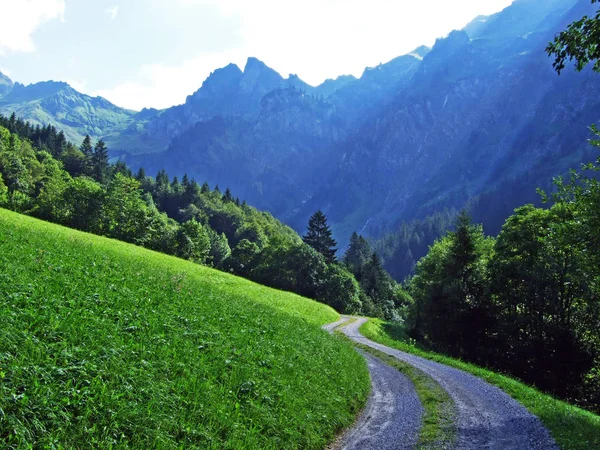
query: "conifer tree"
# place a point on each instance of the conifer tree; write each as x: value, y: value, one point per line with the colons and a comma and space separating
x: 358, y: 254
x: 100, y: 161
x: 162, y: 179
x: 141, y: 175
x: 227, y: 197
x: 205, y: 189
x: 86, y: 146
x: 318, y: 236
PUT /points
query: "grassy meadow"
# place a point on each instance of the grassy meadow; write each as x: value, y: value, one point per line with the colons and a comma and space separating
x: 107, y: 345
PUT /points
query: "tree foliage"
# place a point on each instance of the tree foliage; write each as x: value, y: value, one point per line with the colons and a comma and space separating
x: 579, y: 42
x: 449, y: 289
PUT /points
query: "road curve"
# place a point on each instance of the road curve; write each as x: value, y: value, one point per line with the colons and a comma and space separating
x: 487, y: 417
x: 392, y: 416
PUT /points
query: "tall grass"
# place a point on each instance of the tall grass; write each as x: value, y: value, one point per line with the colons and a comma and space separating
x: 107, y: 345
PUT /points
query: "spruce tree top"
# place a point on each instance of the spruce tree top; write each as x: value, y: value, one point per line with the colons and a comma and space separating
x: 318, y: 236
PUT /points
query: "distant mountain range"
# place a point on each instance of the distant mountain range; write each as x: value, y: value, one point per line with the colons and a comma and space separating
x: 437, y: 128
x: 58, y: 104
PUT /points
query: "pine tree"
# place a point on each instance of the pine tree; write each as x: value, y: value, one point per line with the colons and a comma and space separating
x: 100, y: 161
x: 141, y: 175
x: 318, y: 236
x: 162, y: 179
x: 205, y: 189
x: 185, y: 181
x: 358, y: 254
x: 227, y: 197
x: 375, y: 281
x: 86, y: 146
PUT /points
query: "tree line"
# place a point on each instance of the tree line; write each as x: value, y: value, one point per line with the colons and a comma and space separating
x: 43, y: 175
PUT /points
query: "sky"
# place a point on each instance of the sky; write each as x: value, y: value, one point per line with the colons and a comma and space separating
x: 153, y: 53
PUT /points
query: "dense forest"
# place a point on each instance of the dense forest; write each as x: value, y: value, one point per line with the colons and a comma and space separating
x: 528, y: 301
x: 43, y: 175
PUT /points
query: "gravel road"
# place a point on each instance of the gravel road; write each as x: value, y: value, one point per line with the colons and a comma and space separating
x: 487, y: 418
x: 392, y: 416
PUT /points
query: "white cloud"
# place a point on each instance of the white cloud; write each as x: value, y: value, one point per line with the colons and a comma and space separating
x: 113, y: 11
x: 321, y: 39
x: 317, y: 39
x: 78, y: 85
x: 21, y: 18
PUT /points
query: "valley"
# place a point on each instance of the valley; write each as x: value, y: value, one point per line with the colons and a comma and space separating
x: 406, y: 257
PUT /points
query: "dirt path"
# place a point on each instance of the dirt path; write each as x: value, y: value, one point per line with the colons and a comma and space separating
x: 392, y: 417
x: 487, y: 418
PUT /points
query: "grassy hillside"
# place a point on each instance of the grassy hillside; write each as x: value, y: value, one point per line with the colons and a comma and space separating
x: 111, y: 345
x: 573, y: 428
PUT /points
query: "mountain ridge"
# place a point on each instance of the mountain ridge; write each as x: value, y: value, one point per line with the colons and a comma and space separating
x: 426, y: 131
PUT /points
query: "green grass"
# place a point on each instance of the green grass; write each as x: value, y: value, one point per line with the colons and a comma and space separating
x: 107, y: 345
x: 438, y: 428
x: 572, y: 427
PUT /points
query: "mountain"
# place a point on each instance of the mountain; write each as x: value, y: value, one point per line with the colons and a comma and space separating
x: 227, y: 92
x: 431, y: 130
x: 272, y: 149
x: 377, y: 85
x: 478, y: 120
x: 58, y: 104
x: 480, y: 112
x: 330, y: 85
x: 272, y: 160
x: 6, y: 85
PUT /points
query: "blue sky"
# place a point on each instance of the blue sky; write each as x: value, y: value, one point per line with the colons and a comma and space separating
x: 153, y: 53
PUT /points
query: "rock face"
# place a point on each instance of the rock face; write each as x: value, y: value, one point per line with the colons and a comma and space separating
x: 227, y: 92
x: 272, y: 159
x: 58, y: 104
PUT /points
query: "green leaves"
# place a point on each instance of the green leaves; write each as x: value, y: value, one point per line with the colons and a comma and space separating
x: 579, y: 42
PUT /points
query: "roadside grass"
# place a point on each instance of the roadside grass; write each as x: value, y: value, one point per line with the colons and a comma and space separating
x: 107, y: 345
x: 438, y: 429
x: 573, y: 428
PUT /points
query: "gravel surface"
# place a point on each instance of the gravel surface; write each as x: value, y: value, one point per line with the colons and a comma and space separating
x: 392, y: 416
x: 332, y: 326
x: 487, y: 418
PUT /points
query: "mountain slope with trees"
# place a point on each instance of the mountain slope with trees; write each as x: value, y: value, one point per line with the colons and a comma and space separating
x: 59, y: 105
x: 43, y: 175
x: 475, y: 121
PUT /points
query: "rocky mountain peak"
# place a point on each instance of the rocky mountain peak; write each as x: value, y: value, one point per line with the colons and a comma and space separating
x: 255, y: 64
x: 221, y: 80
x: 258, y: 78
x: 420, y: 52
